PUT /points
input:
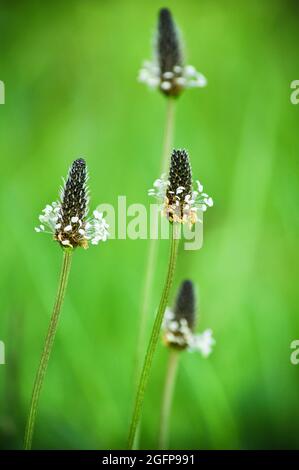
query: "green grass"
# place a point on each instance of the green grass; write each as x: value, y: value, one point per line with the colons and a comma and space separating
x: 70, y: 75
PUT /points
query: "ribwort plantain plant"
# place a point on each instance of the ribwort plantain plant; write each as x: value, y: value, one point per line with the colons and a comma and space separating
x: 167, y: 70
x: 168, y: 73
x: 179, y: 199
x: 179, y: 205
x: 68, y: 222
x: 178, y: 335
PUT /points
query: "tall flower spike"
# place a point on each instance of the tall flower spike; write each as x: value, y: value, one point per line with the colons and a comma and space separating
x: 167, y: 71
x: 179, y: 324
x: 169, y: 52
x: 67, y: 219
x: 169, y: 47
x: 178, y: 199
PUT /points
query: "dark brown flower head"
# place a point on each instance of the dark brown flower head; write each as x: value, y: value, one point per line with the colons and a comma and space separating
x: 67, y: 219
x: 185, y: 304
x: 167, y: 71
x: 180, y: 183
x: 180, y: 202
x: 74, y: 206
x: 74, y: 197
x: 169, y: 54
x: 179, y: 323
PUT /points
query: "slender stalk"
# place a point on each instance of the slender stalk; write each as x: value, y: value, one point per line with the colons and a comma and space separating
x: 153, y: 245
x: 168, y: 135
x: 167, y: 397
x: 154, y: 337
x: 147, y: 290
x: 41, y: 372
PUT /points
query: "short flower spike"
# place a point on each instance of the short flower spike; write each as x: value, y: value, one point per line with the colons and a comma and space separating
x: 179, y: 324
x: 67, y: 219
x: 179, y: 200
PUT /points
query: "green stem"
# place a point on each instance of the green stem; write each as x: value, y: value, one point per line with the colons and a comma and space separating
x: 167, y: 397
x: 41, y: 372
x: 150, y: 271
x: 168, y: 136
x: 153, y: 247
x: 154, y: 336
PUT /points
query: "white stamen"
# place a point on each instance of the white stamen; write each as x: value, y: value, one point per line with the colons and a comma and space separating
x: 190, y: 71
x: 180, y: 189
x: 199, y: 186
x: 165, y: 86
x: 181, y: 81
x: 98, y: 215
x: 168, y: 75
x: 177, y: 69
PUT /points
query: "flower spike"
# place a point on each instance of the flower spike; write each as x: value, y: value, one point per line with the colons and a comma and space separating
x: 179, y: 324
x: 67, y: 219
x: 169, y: 47
x: 185, y: 306
x: 167, y: 71
x: 180, y: 201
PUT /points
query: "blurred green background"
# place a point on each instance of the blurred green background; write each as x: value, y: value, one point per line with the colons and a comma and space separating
x: 70, y: 73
